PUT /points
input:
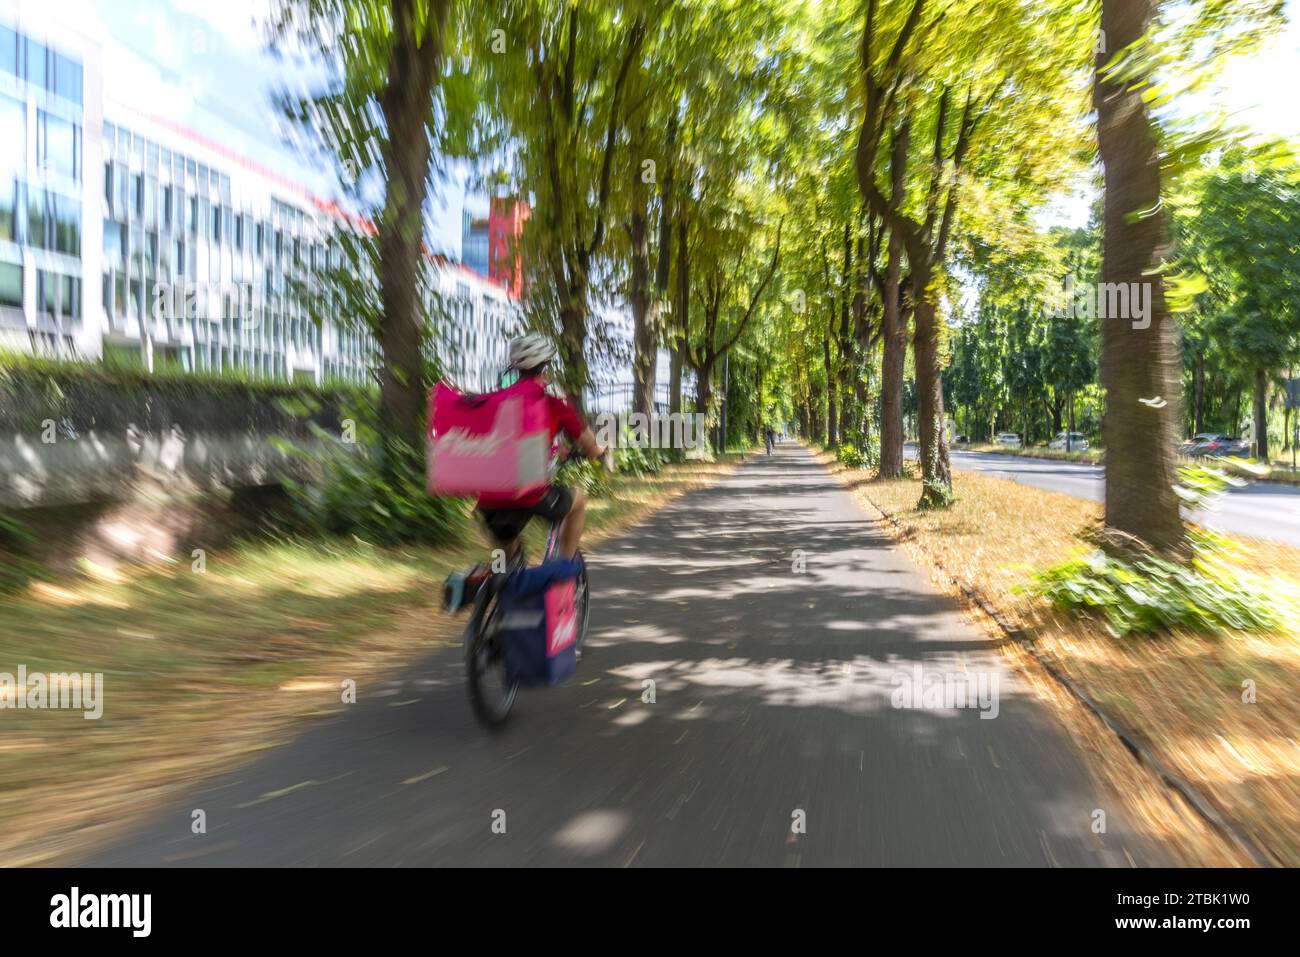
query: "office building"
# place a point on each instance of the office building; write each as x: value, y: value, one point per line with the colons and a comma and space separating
x: 126, y: 236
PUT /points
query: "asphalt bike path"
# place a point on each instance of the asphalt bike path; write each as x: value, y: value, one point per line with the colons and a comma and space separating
x: 743, y: 700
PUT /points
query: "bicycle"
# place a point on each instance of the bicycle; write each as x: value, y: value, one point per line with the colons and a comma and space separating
x: 492, y: 693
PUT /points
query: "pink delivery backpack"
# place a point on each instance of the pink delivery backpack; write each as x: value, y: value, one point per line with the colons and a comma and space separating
x: 498, y: 443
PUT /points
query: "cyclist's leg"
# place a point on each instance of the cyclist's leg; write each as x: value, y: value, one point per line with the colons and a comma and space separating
x: 504, y: 526
x: 567, y: 508
x: 571, y: 530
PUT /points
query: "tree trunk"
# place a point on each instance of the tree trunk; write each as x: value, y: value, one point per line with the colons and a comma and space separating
x: 414, y: 65
x: 1198, y: 424
x: 648, y: 332
x: 847, y: 429
x: 1261, y: 415
x: 675, y: 382
x: 573, y: 346
x: 1069, y: 435
x: 861, y: 345
x: 645, y: 307
x: 893, y: 335
x: 1139, y: 367
x: 817, y: 431
x: 936, y: 473
x: 862, y: 395
x: 893, y: 340
x: 704, y: 387
x: 832, y: 420
x: 681, y: 314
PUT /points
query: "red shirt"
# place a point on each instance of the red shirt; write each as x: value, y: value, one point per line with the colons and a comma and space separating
x: 564, y: 418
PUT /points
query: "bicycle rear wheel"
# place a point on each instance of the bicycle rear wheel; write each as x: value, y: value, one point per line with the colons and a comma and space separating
x: 491, y: 692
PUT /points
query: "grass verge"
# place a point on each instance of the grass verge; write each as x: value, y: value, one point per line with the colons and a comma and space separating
x: 1181, y: 693
x: 203, y: 671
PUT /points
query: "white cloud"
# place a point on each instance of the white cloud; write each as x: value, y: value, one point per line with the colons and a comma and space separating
x: 238, y: 22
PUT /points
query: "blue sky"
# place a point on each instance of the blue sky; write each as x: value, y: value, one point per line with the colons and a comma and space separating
x: 204, y: 63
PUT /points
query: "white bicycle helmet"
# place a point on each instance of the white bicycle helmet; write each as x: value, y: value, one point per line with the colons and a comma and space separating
x: 530, y: 351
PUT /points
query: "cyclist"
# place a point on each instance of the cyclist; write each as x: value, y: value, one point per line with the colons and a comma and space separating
x: 506, y: 516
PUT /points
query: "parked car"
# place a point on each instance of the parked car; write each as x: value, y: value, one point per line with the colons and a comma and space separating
x: 1009, y: 439
x: 1198, y: 441
x: 1214, y: 444
x: 1077, y: 442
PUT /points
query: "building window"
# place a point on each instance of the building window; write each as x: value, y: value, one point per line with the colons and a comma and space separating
x: 121, y: 186
x: 11, y: 282
x: 58, y: 295
x: 151, y: 201
x: 58, y: 145
x: 8, y: 51
x: 66, y: 214
x: 9, y: 210
x: 13, y: 134
x: 119, y: 296
x: 36, y: 217
x: 32, y: 65
x: 54, y: 222
x: 63, y: 77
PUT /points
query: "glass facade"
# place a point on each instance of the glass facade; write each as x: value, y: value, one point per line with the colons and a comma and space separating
x: 474, y: 244
x: 41, y: 173
x: 212, y: 275
x: 203, y: 264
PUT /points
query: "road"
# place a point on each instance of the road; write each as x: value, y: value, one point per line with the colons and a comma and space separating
x: 771, y: 740
x: 1265, y: 510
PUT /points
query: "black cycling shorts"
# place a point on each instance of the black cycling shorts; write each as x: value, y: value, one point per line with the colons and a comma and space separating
x: 507, y: 524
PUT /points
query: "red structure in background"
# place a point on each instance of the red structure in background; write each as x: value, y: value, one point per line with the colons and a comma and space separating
x: 506, y: 218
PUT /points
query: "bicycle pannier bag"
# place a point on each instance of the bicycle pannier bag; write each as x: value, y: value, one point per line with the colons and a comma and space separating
x: 539, y: 622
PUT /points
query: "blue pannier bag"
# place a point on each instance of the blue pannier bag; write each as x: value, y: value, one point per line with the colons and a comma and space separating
x: 538, y: 627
